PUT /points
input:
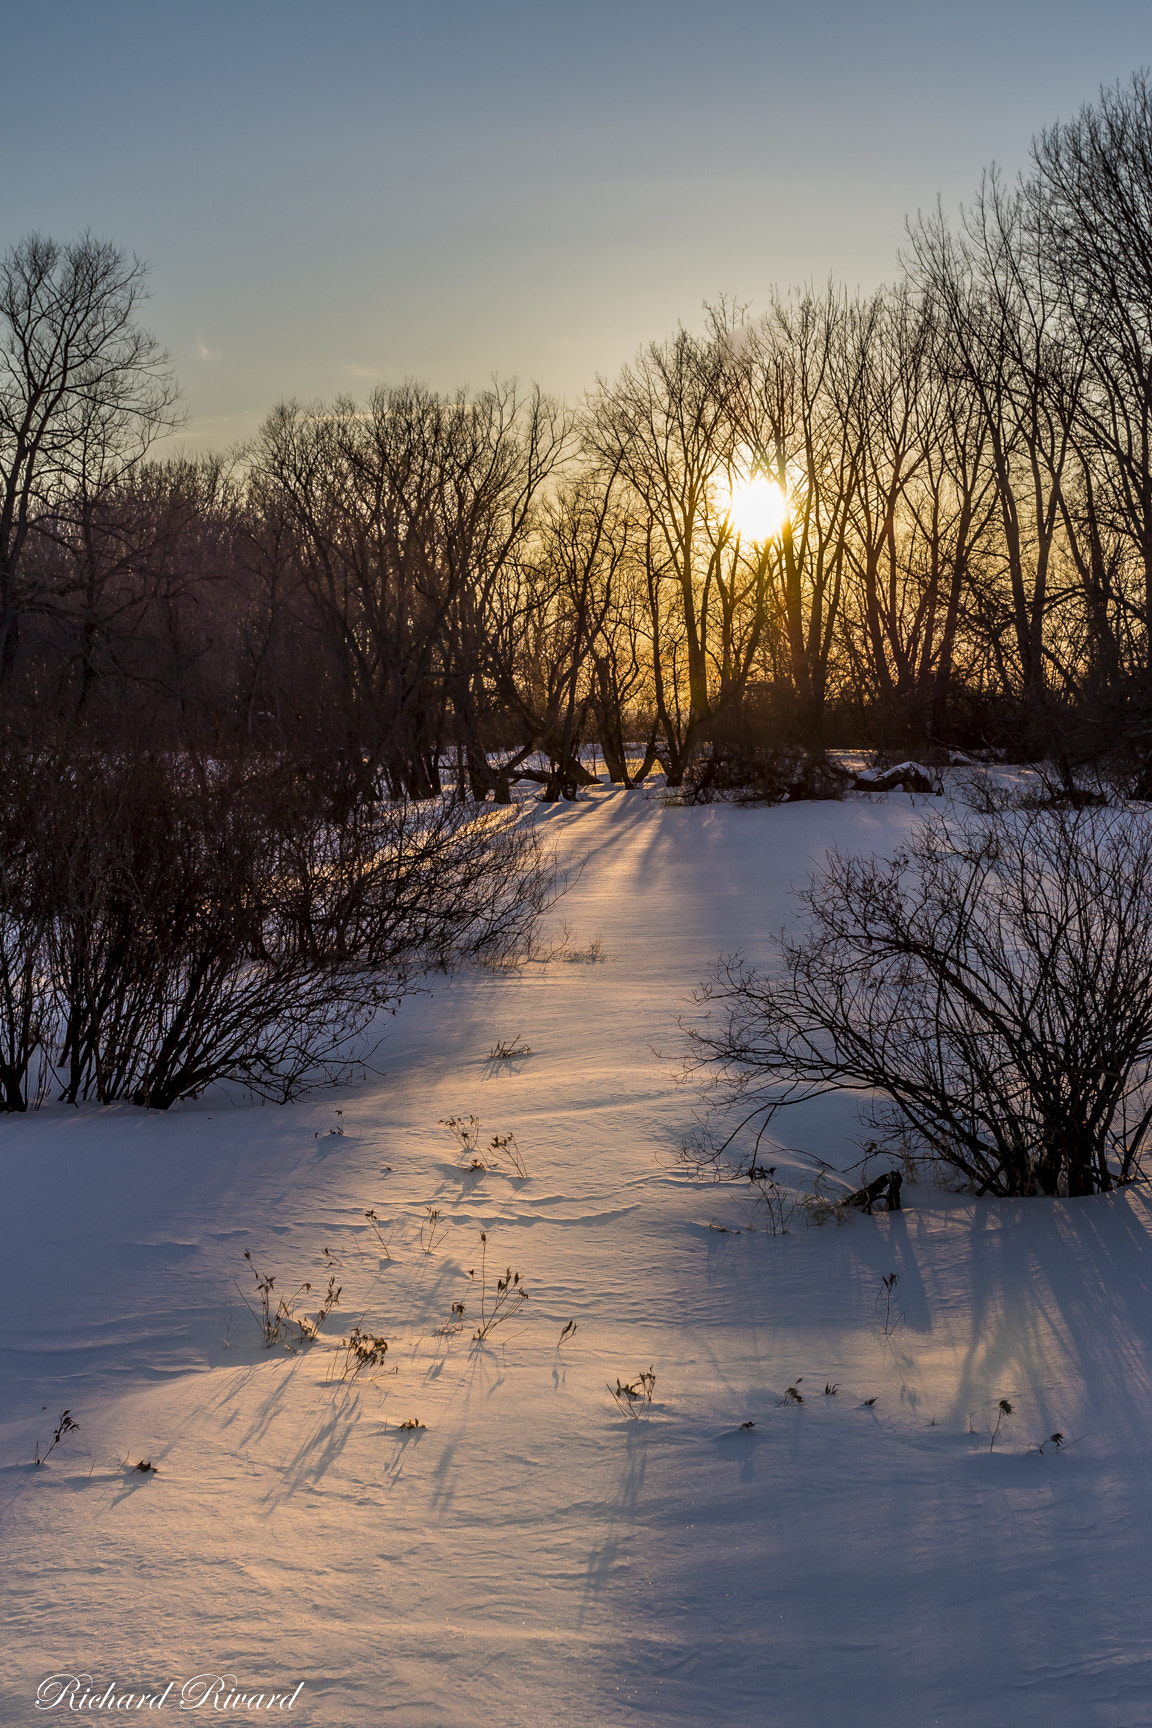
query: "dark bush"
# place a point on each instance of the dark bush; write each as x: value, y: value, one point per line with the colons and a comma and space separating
x: 991, y: 988
x: 166, y: 924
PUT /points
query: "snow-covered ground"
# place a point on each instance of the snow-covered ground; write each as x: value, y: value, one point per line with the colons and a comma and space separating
x: 532, y: 1555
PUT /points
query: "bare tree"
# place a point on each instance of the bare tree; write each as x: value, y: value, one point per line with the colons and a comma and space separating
x: 622, y: 674
x: 1005, y: 339
x: 801, y: 432
x: 664, y: 427
x: 403, y: 518
x: 668, y: 429
x: 892, y: 400
x: 1092, y: 202
x: 83, y: 389
x: 567, y: 582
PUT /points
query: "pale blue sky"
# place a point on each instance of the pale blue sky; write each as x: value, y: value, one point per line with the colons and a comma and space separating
x: 343, y: 191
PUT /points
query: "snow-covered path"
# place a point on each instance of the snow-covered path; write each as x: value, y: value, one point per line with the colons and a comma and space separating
x: 532, y: 1556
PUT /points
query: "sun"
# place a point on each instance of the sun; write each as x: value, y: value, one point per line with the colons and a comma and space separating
x: 756, y: 506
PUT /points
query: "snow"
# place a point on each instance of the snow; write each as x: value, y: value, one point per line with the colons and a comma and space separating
x: 532, y: 1555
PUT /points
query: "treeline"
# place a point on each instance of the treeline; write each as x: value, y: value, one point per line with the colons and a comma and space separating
x: 377, y: 591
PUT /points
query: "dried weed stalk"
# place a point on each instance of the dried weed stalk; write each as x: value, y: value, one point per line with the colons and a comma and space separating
x: 432, y: 1229
x: 359, y: 1351
x: 507, y: 1050
x: 383, y: 1242
x: 885, y: 1297
x: 510, y: 1295
x: 1003, y: 1409
x: 277, y: 1317
x: 466, y: 1131
x: 64, y: 1427
x: 634, y: 1396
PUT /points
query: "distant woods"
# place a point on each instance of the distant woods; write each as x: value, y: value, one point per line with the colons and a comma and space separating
x: 421, y: 588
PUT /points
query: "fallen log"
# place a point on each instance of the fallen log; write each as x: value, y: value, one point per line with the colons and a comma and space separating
x: 886, y: 1188
x: 904, y: 777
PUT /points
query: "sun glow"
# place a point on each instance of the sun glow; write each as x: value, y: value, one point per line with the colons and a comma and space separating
x: 755, y: 505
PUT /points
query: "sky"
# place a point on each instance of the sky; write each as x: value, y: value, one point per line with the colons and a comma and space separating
x: 334, y: 196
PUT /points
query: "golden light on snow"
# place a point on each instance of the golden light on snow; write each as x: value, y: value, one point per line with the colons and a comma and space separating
x: 755, y: 505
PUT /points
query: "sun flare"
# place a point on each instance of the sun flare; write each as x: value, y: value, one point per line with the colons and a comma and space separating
x: 755, y: 505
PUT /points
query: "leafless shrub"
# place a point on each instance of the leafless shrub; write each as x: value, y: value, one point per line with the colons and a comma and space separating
x: 979, y: 791
x: 992, y: 984
x: 167, y: 923
x: 900, y: 1143
x: 174, y: 950
x: 400, y: 889
x: 30, y: 1025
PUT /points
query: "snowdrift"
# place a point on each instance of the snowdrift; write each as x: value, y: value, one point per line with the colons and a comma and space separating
x: 854, y: 1550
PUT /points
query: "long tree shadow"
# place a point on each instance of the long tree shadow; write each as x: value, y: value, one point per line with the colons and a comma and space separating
x: 321, y: 1446
x: 1065, y: 1284
x: 614, y: 1548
